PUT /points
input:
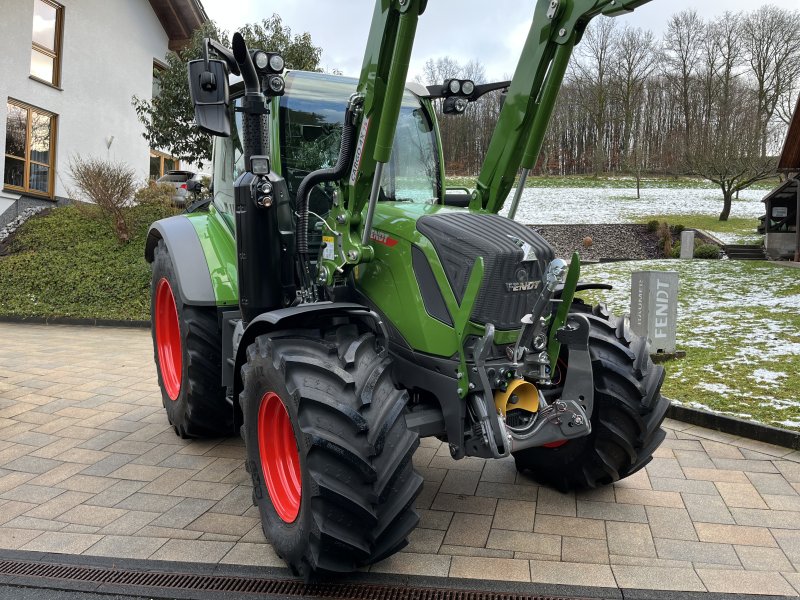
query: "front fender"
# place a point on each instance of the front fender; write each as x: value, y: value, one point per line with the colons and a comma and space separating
x: 188, y: 258
x: 303, y: 316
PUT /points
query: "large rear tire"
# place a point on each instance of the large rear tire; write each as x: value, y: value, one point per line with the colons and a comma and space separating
x: 187, y: 345
x: 627, y: 416
x: 328, y: 449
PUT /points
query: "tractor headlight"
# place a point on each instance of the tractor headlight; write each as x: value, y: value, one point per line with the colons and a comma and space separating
x: 276, y: 84
x: 261, y: 60
x: 276, y: 63
x: 461, y: 104
x: 467, y: 87
x: 454, y: 86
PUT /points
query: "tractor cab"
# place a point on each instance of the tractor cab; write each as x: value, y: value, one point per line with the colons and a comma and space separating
x: 307, y: 124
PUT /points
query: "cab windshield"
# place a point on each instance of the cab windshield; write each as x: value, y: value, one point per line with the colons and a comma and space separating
x: 311, y: 118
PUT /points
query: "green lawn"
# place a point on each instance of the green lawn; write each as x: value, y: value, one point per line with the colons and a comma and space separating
x: 739, y: 322
x: 736, y: 230
x: 69, y: 264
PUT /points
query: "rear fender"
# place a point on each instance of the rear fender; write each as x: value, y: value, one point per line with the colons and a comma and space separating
x: 188, y: 257
x: 303, y: 316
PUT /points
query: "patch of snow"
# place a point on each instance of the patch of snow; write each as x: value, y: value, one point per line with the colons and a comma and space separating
x: 767, y: 376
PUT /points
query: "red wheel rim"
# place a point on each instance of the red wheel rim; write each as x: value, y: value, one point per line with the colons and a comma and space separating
x: 280, y: 460
x: 168, y: 339
x: 557, y: 444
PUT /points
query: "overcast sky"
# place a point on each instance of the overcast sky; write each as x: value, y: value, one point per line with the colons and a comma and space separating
x: 458, y: 29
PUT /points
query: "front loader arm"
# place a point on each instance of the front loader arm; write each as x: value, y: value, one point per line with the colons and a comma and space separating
x: 518, y: 136
x: 375, y: 110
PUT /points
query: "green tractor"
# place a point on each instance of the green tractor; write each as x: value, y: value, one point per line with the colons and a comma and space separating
x: 336, y: 302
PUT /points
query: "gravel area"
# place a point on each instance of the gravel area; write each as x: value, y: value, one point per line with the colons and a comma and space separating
x: 609, y: 242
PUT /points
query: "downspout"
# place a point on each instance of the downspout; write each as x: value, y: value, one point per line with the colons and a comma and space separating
x: 796, y: 221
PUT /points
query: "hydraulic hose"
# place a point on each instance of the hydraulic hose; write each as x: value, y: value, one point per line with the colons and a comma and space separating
x: 339, y: 171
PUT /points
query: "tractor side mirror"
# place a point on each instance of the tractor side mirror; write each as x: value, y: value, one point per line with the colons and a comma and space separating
x: 208, y: 82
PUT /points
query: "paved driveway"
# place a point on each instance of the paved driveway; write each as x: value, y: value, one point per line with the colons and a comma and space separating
x: 89, y: 465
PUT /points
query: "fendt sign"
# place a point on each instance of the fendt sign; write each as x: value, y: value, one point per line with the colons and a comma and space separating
x: 654, y: 308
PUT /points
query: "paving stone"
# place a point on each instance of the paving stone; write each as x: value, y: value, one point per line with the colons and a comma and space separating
x: 196, y: 551
x: 566, y: 573
x: 235, y: 503
x: 514, y: 515
x: 499, y: 471
x: 779, y: 519
x: 57, y: 505
x: 138, y: 472
x: 460, y: 482
x: 26, y: 492
x: 638, y: 481
x: 750, y: 466
x: 735, y: 534
x: 771, y: 484
x: 584, y: 550
x: 433, y: 475
x: 789, y: 542
x: 468, y: 530
x: 612, y: 512
x: 790, y: 470
x: 673, y: 523
x: 148, y: 502
x: 256, y: 555
x: 504, y: 569
x: 484, y: 552
x: 745, y: 582
x: 220, y: 523
x: 520, y: 541
x: 552, y: 502
x: 691, y: 486
x: 464, y: 504
x: 697, y: 552
x: 740, y: 495
x: 108, y: 465
x: 720, y: 450
x: 664, y: 467
x: 10, y: 509
x: 434, y: 519
x: 218, y: 470
x: 507, y: 490
x: 129, y: 523
x: 168, y: 532
x: 203, y: 489
x: 168, y: 482
x: 87, y: 483
x: 716, y: 475
x: 600, y: 494
x: 116, y: 493
x: 781, y: 502
x: 185, y: 512
x: 688, y: 458
x: 25, y: 522
x: 632, y: 539
x: 571, y: 526
x: 649, y: 498
x: 422, y: 456
x: 32, y: 464
x: 12, y: 538
x: 96, y: 516
x: 125, y: 546
x: 407, y: 563
x: 62, y: 543
x: 755, y: 558
x: 707, y: 509
x: 186, y: 461
x: 469, y: 463
x: 657, y: 578
x: 425, y: 541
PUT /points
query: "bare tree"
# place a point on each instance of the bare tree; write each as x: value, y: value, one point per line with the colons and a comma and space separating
x: 682, y: 56
x: 592, y: 71
x: 771, y: 37
x: 636, y: 60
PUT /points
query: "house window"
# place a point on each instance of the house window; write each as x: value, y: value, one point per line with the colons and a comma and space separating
x: 30, y: 149
x: 160, y: 163
x: 48, y: 20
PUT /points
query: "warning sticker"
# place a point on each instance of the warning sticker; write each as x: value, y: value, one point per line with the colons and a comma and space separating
x: 362, y: 137
x: 328, y: 250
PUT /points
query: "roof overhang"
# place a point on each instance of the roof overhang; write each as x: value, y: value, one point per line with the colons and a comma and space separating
x: 790, y: 157
x: 179, y: 18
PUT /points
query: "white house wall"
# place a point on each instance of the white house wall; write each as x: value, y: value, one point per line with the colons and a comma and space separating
x: 107, y: 56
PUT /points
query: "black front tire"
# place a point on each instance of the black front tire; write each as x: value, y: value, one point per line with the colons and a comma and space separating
x: 199, y: 409
x: 358, y: 483
x: 627, y: 416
